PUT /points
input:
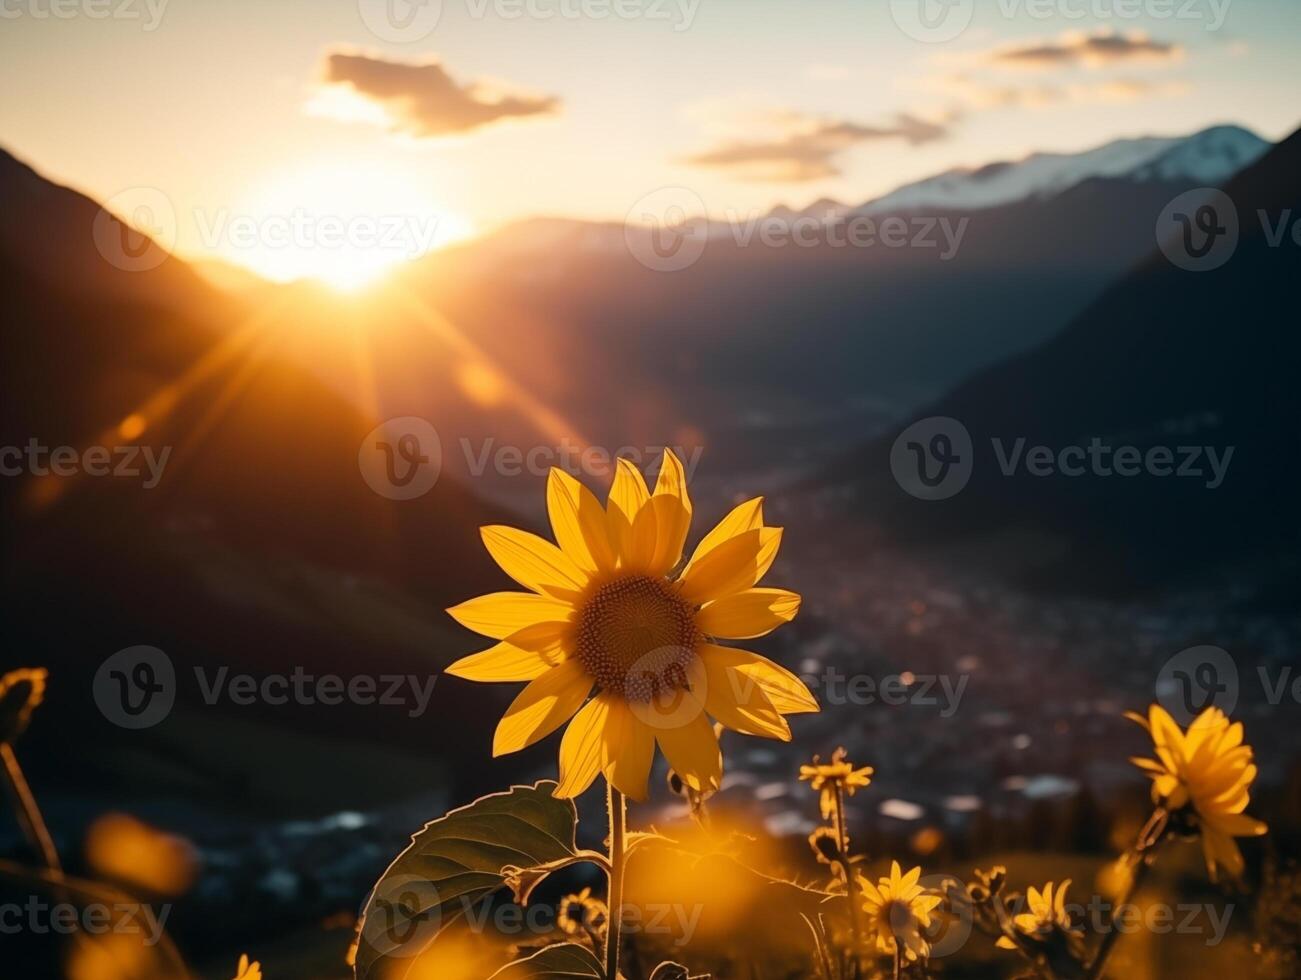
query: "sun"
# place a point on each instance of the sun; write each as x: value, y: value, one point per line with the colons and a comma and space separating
x: 342, y: 225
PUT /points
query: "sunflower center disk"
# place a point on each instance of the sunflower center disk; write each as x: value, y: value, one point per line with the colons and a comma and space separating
x: 636, y: 638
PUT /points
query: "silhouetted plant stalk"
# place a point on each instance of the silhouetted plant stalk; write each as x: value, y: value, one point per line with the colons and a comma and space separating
x: 618, y: 812
x: 851, y: 890
x: 835, y: 781
x: 85, y: 891
x: 1142, y: 857
x: 21, y: 693
x: 26, y: 810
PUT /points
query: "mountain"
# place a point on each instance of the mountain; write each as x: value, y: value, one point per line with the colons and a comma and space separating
x: 69, y: 242
x: 765, y: 340
x: 259, y: 548
x: 1207, y: 158
x: 1166, y: 357
x: 229, y: 277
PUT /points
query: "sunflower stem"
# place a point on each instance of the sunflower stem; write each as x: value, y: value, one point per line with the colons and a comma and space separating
x: 592, y: 937
x: 898, y: 959
x: 618, y: 811
x: 851, y: 892
x: 1149, y: 837
x: 27, y: 811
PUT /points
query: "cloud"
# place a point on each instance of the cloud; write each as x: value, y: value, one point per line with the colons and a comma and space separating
x: 423, y: 100
x: 977, y: 94
x: 1096, y: 50
x: 808, y: 150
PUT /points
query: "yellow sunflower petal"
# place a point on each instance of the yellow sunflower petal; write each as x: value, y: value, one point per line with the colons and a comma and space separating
x: 500, y: 614
x: 1221, y: 851
x: 548, y: 639
x: 504, y: 662
x: 628, y: 752
x: 910, y: 879
x: 692, y: 751
x: 748, y: 614
x: 580, y: 749
x: 785, y: 691
x: 637, y: 546
x: 872, y: 897
x: 1036, y: 900
x: 672, y: 481
x: 628, y: 494
x: 578, y: 522
x: 1165, y: 730
x: 1235, y: 824
x: 542, y: 707
x: 1135, y: 717
x: 928, y: 904
x: 534, y: 562
x: 747, y: 516
x: 732, y: 567
x: 739, y: 703
x: 658, y: 534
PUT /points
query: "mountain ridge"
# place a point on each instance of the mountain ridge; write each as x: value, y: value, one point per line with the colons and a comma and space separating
x: 1162, y: 357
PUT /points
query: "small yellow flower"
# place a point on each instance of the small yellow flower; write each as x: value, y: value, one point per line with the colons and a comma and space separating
x: 838, y: 773
x: 1204, y: 773
x: 609, y: 614
x: 580, y: 912
x: 21, y: 693
x: 898, y: 909
x: 1047, y: 914
x: 825, y: 842
x: 247, y: 970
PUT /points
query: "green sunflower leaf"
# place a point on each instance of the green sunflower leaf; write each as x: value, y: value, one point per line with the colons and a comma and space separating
x: 452, y: 865
x: 565, y: 961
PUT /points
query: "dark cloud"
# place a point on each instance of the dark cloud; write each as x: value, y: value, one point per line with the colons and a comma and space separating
x: 1092, y: 50
x: 809, y: 153
x: 424, y: 100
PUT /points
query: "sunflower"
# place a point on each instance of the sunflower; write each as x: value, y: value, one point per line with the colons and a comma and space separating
x: 825, y: 843
x: 829, y: 777
x: 898, y: 909
x: 247, y: 970
x: 1047, y: 915
x: 607, y: 615
x: 581, y: 911
x: 1203, y: 775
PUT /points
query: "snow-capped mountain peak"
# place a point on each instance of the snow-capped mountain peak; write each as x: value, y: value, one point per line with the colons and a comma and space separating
x: 1208, y: 157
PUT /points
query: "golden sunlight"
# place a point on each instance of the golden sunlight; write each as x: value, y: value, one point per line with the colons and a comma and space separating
x: 345, y: 226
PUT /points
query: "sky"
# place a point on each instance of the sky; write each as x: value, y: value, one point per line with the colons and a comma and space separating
x: 488, y: 111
